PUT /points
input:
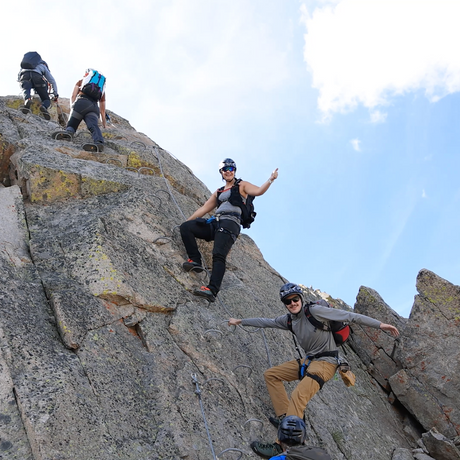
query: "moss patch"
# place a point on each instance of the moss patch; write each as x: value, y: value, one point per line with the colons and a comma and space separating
x: 50, y: 185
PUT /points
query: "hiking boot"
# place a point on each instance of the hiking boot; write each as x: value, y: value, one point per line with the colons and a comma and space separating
x: 275, y: 421
x: 190, y: 265
x: 100, y: 146
x: 205, y: 292
x: 45, y: 113
x: 26, y: 107
x: 266, y: 450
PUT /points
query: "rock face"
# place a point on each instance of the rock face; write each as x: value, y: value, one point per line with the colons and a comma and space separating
x: 105, y: 354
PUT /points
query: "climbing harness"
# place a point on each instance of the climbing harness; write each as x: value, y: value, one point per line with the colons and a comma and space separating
x: 303, y: 367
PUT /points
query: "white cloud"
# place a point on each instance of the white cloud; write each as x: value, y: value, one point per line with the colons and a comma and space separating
x: 377, y: 116
x: 356, y: 144
x: 362, y: 52
x: 423, y: 194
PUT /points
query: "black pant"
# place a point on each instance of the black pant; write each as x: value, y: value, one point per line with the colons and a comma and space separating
x: 224, y: 233
x: 29, y: 80
x: 86, y: 109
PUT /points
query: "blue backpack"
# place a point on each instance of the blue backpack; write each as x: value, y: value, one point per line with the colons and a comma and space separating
x: 93, y: 84
x: 303, y: 453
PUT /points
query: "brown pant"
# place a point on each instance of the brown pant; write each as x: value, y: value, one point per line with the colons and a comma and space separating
x: 303, y: 392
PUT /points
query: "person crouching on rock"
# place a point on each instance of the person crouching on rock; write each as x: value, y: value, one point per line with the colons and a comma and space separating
x: 224, y: 227
x: 322, y: 356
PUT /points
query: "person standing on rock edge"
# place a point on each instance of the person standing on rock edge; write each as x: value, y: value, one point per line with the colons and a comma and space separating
x: 35, y: 74
x: 88, y: 103
x: 322, y: 356
x: 223, y: 228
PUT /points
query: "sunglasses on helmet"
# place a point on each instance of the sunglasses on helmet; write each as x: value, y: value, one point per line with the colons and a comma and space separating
x: 293, y: 299
x: 228, y: 169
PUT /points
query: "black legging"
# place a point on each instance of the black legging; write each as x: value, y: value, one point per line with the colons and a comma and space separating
x: 86, y: 109
x: 224, y: 234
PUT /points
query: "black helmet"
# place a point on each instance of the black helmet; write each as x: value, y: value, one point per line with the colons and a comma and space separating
x: 292, y: 431
x: 226, y: 162
x: 289, y: 289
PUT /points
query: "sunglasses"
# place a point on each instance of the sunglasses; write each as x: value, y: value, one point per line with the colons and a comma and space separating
x: 228, y: 169
x: 288, y: 301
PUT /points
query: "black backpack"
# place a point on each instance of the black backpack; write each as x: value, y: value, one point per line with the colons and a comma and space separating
x: 307, y: 453
x: 30, y: 60
x: 247, y: 209
x: 93, y: 85
x: 339, y: 329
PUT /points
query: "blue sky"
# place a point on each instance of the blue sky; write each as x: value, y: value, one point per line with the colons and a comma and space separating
x: 356, y: 102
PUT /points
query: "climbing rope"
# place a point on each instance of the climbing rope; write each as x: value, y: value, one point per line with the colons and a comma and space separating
x: 198, y: 393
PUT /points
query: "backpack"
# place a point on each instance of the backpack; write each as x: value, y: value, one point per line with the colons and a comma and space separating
x: 307, y: 453
x: 247, y: 209
x: 303, y: 453
x: 339, y: 329
x: 93, y: 85
x: 30, y: 60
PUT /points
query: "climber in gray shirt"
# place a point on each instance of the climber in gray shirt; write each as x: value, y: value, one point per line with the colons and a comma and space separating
x: 319, y: 346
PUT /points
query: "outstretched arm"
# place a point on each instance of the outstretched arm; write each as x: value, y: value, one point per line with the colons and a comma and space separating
x: 389, y: 328
x: 250, y: 189
x: 206, y: 208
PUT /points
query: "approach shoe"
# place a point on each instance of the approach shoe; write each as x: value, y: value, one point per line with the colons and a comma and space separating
x: 189, y: 265
x: 266, y: 449
x: 206, y: 293
x: 26, y: 107
x: 275, y: 421
x: 45, y: 113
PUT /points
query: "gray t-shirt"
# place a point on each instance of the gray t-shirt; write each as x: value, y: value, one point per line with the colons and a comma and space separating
x: 224, y: 206
x: 312, y: 340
